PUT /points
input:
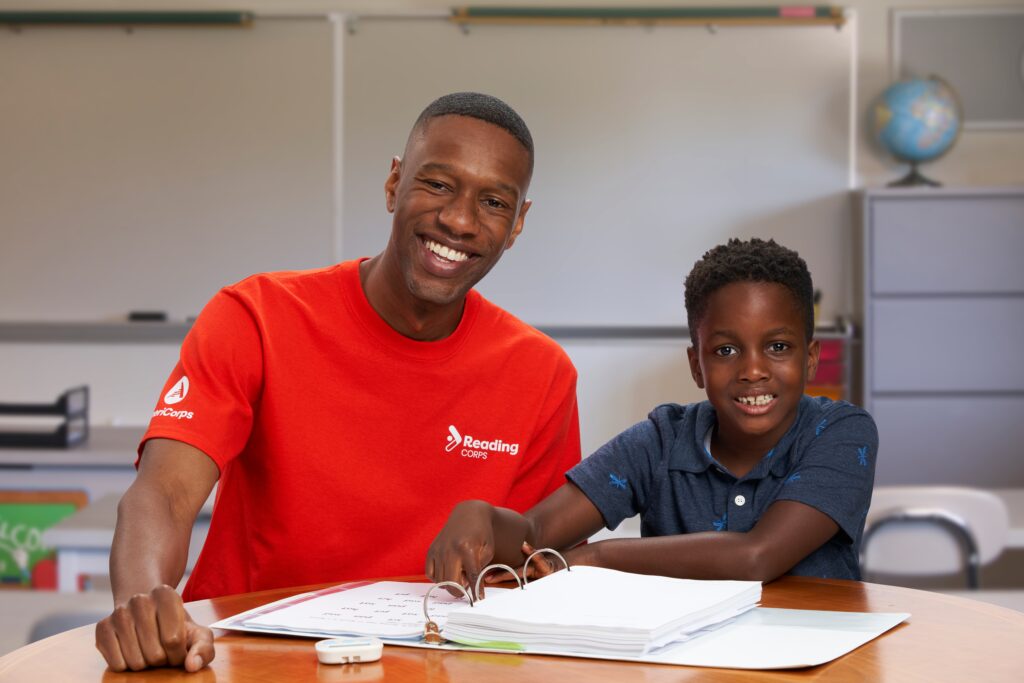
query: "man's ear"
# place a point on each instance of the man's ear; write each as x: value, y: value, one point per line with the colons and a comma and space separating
x: 813, y: 353
x: 518, y: 227
x: 695, y: 371
x: 391, y: 184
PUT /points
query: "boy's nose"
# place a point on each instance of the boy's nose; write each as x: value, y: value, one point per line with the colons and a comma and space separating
x: 754, y: 368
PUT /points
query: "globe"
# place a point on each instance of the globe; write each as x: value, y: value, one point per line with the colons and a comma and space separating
x: 916, y: 120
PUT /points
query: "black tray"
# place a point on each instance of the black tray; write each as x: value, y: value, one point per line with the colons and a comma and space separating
x: 72, y: 405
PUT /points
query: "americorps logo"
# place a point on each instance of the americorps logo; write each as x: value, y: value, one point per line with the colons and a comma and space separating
x: 178, y: 392
x: 175, y: 394
x: 477, y: 448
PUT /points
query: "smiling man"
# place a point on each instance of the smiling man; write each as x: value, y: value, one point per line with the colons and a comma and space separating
x: 345, y: 411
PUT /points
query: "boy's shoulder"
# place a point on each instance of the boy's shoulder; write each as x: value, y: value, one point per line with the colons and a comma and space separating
x: 681, y: 426
x: 818, y: 414
x: 680, y: 413
x: 824, y: 407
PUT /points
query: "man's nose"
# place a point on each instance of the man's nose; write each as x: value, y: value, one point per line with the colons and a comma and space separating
x: 459, y: 215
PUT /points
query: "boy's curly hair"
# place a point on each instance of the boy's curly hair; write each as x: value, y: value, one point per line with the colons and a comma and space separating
x: 754, y: 260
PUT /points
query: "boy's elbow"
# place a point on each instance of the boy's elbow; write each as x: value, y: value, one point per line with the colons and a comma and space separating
x: 762, y: 564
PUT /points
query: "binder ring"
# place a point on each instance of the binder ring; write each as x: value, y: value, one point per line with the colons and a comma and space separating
x: 526, y: 564
x: 486, y: 570
x: 431, y: 633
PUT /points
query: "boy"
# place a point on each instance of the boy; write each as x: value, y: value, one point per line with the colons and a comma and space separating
x: 757, y: 481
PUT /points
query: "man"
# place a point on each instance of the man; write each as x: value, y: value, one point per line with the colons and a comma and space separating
x: 346, y: 410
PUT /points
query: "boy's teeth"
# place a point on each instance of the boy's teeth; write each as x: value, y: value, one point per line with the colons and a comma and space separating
x: 762, y: 400
x: 445, y: 252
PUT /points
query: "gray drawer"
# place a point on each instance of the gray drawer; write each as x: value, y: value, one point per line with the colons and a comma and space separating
x: 940, y: 344
x: 947, y: 244
x: 951, y: 440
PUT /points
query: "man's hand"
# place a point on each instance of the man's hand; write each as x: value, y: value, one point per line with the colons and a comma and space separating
x: 153, y: 629
x: 464, y: 546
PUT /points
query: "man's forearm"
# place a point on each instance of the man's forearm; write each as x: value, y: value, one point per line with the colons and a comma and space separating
x: 150, y: 545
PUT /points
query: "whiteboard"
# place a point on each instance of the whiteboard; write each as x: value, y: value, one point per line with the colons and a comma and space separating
x: 144, y: 169
x: 653, y: 145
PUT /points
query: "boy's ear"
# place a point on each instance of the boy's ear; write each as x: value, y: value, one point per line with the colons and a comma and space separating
x: 813, y: 352
x: 695, y: 372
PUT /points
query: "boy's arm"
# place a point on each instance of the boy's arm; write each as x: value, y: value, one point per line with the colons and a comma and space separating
x: 149, y: 625
x: 786, y: 533
x: 478, y: 534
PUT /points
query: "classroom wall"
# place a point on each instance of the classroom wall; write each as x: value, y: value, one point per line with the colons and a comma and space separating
x: 619, y: 380
x: 979, y: 158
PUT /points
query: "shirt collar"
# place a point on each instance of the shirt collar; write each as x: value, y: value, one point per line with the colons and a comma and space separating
x: 689, y: 455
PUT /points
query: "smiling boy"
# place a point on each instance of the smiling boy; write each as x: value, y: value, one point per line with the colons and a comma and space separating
x: 755, y: 482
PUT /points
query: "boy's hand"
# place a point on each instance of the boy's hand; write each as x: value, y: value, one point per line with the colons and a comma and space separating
x: 584, y: 554
x: 153, y: 629
x: 464, y: 546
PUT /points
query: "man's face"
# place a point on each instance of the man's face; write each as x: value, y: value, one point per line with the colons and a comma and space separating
x: 752, y: 359
x: 459, y: 200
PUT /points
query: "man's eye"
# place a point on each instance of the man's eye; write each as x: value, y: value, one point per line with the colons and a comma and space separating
x: 725, y: 351
x: 434, y: 184
x: 495, y: 203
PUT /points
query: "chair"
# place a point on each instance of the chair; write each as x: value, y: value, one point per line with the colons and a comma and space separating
x: 933, y: 530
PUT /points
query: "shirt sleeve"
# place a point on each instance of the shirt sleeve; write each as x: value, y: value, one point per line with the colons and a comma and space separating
x: 836, y: 472
x: 618, y: 477
x: 554, y: 447
x: 207, y: 402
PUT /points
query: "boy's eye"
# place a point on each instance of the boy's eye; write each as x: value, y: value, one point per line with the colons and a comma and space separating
x: 778, y: 347
x: 725, y: 351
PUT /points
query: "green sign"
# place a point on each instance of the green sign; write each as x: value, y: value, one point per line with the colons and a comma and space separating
x: 22, y: 524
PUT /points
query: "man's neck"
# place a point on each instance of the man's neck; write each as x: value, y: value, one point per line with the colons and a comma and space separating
x: 388, y: 295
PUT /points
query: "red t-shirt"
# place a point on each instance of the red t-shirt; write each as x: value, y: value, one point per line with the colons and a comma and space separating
x: 343, y: 445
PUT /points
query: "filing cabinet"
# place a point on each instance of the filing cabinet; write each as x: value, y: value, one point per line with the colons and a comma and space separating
x: 943, y: 326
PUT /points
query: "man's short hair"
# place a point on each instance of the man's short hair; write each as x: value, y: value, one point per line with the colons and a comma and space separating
x: 483, y: 107
x: 755, y: 260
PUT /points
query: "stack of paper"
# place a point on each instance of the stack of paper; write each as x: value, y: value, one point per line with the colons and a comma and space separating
x: 600, y: 611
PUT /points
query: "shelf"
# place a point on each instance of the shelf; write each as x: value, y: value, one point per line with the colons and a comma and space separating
x: 93, y: 332
x: 106, y: 447
x: 174, y: 332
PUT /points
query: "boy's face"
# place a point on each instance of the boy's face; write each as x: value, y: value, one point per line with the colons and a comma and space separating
x: 753, y: 360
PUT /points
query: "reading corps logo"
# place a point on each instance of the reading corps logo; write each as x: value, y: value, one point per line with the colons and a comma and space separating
x: 175, y: 394
x: 477, y: 448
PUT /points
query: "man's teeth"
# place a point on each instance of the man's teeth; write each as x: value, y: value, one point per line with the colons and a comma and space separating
x: 445, y: 252
x: 762, y: 400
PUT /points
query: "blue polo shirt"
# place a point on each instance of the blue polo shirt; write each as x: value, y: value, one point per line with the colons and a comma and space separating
x: 661, y: 470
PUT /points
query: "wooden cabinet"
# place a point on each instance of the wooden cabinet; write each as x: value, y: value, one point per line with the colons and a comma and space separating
x: 943, y: 321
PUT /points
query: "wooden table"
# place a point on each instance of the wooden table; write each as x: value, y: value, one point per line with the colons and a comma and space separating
x: 946, y: 639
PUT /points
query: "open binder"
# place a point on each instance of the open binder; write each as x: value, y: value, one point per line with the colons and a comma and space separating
x: 583, y: 612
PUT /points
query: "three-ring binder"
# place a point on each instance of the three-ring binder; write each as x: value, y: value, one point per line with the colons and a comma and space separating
x: 431, y: 631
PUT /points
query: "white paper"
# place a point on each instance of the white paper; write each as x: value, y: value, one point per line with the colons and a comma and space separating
x: 593, y: 609
x: 386, y: 609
